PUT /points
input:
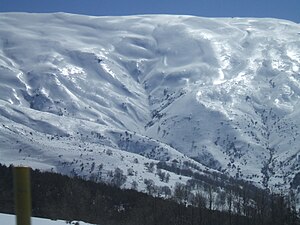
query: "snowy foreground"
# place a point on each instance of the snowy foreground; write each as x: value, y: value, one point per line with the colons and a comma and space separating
x: 7, y: 219
x: 83, y: 95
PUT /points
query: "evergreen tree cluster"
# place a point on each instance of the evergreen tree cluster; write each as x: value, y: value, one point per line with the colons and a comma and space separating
x: 57, y: 196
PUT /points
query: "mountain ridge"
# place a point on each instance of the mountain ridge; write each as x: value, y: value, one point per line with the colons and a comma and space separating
x: 221, y: 94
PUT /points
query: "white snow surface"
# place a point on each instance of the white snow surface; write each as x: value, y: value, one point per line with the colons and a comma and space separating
x: 8, y: 219
x: 80, y: 92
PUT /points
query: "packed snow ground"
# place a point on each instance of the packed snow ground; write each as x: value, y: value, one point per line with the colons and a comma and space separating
x: 8, y: 219
x: 84, y: 95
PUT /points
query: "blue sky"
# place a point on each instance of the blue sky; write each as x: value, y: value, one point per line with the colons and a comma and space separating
x: 283, y: 9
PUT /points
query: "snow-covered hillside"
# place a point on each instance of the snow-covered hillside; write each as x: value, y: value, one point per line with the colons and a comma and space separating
x: 84, y: 95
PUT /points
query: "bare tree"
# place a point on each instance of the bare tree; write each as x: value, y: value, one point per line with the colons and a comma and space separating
x: 118, y: 178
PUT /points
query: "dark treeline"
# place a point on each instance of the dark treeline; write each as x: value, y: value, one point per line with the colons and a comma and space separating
x: 57, y: 196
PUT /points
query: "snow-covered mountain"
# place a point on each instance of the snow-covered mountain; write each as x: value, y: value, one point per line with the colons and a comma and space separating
x: 85, y: 95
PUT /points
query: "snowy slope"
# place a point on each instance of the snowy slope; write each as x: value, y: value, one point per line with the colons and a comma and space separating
x: 8, y: 219
x: 84, y: 95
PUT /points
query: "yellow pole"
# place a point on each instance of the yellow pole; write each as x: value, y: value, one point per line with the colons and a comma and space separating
x: 22, y: 195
